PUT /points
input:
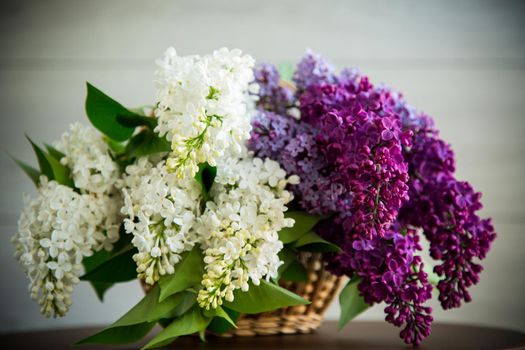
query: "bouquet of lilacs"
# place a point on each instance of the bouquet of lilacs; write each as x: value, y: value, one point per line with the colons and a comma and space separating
x: 376, y: 169
x: 209, y: 196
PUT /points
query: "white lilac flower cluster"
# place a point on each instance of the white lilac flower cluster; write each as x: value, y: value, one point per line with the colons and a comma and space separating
x: 238, y: 230
x: 203, y: 106
x: 61, y: 226
x: 86, y: 154
x: 163, y: 214
x: 94, y: 172
x: 56, y: 230
x: 204, y: 109
x: 160, y: 209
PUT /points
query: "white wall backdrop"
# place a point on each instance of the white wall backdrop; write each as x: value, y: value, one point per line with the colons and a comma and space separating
x: 461, y: 61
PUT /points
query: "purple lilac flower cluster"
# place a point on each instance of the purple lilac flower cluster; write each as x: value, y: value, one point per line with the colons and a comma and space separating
x: 363, y: 148
x: 312, y: 70
x: 444, y: 207
x: 272, y: 96
x: 390, y: 272
x: 378, y: 169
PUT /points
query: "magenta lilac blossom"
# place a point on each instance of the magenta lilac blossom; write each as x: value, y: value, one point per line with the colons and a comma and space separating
x: 377, y: 169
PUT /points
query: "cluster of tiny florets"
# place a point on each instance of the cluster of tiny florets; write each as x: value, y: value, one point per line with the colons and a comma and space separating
x: 56, y: 230
x: 203, y: 106
x: 87, y: 156
x: 160, y: 209
x: 238, y: 230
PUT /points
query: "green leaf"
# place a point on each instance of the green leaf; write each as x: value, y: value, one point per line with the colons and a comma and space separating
x: 164, y: 322
x: 103, y: 111
x: 43, y: 163
x: 303, y: 223
x: 120, y: 335
x: 101, y: 288
x: 98, y: 258
x: 149, y: 309
x: 116, y: 147
x: 202, y: 335
x: 119, y: 268
x: 164, y: 343
x: 33, y: 174
x: 51, y: 167
x: 291, y: 269
x: 311, y: 242
x: 188, y: 273
x: 145, y: 143
x: 53, y: 152
x: 191, y: 322
x: 352, y: 303
x: 262, y: 298
x: 132, y: 121
x: 146, y: 312
x: 95, y: 260
x: 90, y: 263
x: 123, y: 243
x: 295, y: 272
x: 220, y: 324
x: 188, y: 301
x: 220, y: 313
x: 205, y: 177
x: 287, y: 255
x: 61, y: 173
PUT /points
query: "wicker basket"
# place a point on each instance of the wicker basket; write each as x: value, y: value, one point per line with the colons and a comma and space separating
x: 321, y: 288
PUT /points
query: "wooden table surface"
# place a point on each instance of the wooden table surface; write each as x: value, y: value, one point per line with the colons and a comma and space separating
x: 357, y: 335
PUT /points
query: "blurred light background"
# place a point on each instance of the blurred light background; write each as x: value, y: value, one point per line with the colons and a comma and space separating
x: 463, y: 62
